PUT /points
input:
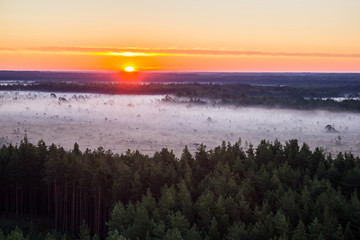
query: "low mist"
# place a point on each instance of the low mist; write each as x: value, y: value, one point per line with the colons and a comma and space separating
x: 148, y: 124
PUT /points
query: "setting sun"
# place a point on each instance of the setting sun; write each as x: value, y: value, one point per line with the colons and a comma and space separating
x: 129, y: 69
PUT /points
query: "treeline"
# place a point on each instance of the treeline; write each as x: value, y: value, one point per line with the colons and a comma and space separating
x: 215, y: 90
x: 350, y: 105
x: 265, y: 78
x: 273, y: 191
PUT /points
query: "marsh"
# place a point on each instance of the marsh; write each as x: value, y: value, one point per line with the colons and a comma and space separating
x: 148, y: 124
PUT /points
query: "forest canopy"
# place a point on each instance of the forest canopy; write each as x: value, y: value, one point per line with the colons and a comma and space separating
x: 272, y: 191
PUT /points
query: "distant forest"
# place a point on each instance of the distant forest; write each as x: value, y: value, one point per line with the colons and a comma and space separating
x: 271, y: 191
x: 253, y: 78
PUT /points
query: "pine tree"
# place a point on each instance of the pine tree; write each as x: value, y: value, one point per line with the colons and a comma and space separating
x: 16, y: 234
x: 193, y: 234
x: 339, y: 233
x: 116, y: 221
x: 258, y: 231
x: 148, y: 201
x: 173, y: 234
x: 299, y: 233
x: 184, y: 200
x: 178, y: 221
x: 348, y: 234
x: 186, y: 157
x: 114, y: 235
x: 84, y: 232
x: 281, y: 224
x: 158, y: 229
x: 315, y: 229
x: 220, y: 214
x: 203, y: 208
x: 330, y: 223
x: 142, y: 225
x: 289, y: 206
x: 167, y: 201
x: 50, y: 236
x: 355, y: 215
x: 213, y: 230
x: 238, y: 232
x: 136, y: 187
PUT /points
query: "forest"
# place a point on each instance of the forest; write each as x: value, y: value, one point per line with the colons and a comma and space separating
x: 257, y: 78
x: 271, y: 191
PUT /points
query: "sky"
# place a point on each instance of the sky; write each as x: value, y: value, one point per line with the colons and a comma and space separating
x: 165, y: 35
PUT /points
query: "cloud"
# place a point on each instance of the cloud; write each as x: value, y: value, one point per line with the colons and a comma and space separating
x: 134, y: 51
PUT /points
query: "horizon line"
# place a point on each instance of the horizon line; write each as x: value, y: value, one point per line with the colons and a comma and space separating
x: 176, y: 71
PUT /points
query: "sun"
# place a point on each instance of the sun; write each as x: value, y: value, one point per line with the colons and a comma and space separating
x: 129, y: 69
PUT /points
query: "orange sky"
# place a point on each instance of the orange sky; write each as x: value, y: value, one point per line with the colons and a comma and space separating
x: 229, y: 35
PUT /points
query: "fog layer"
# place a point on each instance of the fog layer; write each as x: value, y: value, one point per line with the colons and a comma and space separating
x: 147, y: 124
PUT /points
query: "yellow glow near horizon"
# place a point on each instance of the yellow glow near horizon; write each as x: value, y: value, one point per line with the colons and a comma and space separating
x: 128, y: 54
x: 129, y: 69
x: 134, y: 54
